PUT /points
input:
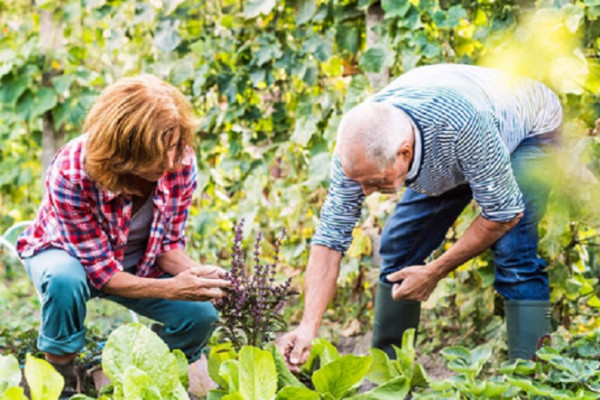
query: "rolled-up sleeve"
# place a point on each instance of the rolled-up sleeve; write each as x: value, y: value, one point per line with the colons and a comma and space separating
x: 84, y: 237
x: 485, y: 163
x: 340, y: 212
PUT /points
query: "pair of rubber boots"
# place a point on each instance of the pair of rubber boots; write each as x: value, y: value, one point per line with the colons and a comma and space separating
x: 526, y: 322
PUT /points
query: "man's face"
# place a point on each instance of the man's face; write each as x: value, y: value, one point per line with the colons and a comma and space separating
x: 372, y: 179
x: 155, y: 172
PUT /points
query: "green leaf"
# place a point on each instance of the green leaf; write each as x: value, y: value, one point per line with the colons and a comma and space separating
x: 284, y: 376
x: 45, y: 383
x: 182, y: 364
x: 382, y: 369
x: 138, y: 346
x: 229, y: 370
x: 348, y: 37
x: 14, y: 393
x: 305, y: 11
x: 339, y: 376
x: 318, y: 170
x: 573, y: 15
x: 10, y: 91
x: 376, y: 58
x: 395, y: 8
x: 10, y: 373
x: 258, y: 374
x: 297, y: 393
x: 62, y: 83
x: 167, y: 37
x: 135, y: 383
x: 323, y: 351
x: 45, y: 99
x: 304, y: 130
x: 254, y: 8
x: 394, y: 389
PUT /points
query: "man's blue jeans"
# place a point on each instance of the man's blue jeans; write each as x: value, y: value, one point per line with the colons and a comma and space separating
x: 64, y: 290
x: 419, y: 225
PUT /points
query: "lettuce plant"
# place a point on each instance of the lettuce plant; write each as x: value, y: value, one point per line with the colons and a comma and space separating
x: 251, y: 313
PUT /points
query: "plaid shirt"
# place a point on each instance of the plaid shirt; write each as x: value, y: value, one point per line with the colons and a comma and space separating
x: 92, y: 224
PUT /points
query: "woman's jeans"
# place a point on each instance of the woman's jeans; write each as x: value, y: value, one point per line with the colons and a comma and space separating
x: 64, y: 290
x: 419, y: 224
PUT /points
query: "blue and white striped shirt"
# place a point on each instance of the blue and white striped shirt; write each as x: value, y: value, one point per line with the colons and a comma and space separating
x: 469, y: 120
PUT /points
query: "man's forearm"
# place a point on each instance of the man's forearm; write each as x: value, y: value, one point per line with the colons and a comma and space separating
x: 127, y: 285
x: 175, y: 261
x: 480, y: 235
x: 320, y: 283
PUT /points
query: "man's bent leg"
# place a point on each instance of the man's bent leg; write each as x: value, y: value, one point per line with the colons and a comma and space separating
x: 416, y: 228
x: 520, y: 273
x: 187, y: 325
x: 62, y: 284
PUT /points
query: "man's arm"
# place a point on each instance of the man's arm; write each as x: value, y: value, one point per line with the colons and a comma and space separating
x: 319, y: 287
x: 187, y: 285
x: 418, y: 282
x: 176, y: 261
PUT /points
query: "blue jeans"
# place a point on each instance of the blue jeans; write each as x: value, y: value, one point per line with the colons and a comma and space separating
x: 64, y: 290
x: 419, y: 224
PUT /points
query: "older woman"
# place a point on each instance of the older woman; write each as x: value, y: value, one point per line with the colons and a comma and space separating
x: 112, y: 221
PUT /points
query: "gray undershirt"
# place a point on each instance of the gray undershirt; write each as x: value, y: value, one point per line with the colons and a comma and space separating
x: 139, y: 232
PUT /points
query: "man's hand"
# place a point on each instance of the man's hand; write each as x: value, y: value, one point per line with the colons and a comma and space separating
x: 209, y: 271
x: 418, y: 282
x: 295, y: 346
x: 194, y: 285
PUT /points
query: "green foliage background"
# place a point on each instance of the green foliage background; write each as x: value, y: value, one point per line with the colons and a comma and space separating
x: 270, y: 81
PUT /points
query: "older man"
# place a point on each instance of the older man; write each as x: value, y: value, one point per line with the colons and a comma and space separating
x: 450, y: 133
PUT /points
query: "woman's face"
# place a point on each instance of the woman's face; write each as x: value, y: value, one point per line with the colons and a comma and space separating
x: 155, y: 172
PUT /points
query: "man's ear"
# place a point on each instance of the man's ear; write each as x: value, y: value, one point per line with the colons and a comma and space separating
x: 405, y: 151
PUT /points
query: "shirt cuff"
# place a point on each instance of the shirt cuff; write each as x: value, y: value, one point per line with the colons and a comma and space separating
x: 170, y: 246
x: 100, y: 273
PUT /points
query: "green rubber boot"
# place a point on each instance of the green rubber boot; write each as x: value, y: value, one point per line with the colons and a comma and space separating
x: 526, y: 322
x: 392, y: 318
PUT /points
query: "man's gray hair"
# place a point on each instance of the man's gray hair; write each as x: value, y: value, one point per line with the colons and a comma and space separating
x: 377, y: 128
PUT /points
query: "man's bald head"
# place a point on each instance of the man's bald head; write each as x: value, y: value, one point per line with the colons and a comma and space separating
x: 377, y: 130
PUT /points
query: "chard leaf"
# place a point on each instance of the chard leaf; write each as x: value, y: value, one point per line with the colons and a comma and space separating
x: 382, y: 369
x: 395, y: 389
x: 230, y: 372
x: 258, y: 374
x: 339, y: 376
x: 297, y: 393
x: 43, y: 380
x: 10, y: 374
x: 219, y: 354
x: 284, y: 376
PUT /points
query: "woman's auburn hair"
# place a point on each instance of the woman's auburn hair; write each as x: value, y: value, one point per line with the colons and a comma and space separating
x: 130, y: 128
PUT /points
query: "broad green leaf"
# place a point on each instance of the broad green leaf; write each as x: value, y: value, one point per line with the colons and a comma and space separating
x: 136, y: 345
x: 216, y: 394
x: 167, y: 36
x: 229, y: 371
x: 10, y: 373
x: 321, y: 351
x: 258, y: 374
x: 62, y: 83
x: 14, y: 393
x: 297, y: 393
x: 11, y: 90
x: 45, y: 99
x: 284, y: 376
x: 304, y: 130
x: 318, y: 170
x: 254, y: 8
x: 395, y: 8
x: 305, y: 11
x: 394, y: 389
x: 518, y: 366
x: 382, y: 369
x: 339, y: 376
x: 45, y: 383
x: 135, y: 383
x: 376, y: 58
x: 182, y: 364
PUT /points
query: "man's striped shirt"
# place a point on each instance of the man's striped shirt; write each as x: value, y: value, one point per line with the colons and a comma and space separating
x: 470, y: 119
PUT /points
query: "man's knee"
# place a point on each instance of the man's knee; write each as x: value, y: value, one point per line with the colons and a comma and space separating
x: 65, y: 286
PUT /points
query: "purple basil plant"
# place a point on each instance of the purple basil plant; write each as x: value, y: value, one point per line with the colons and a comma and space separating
x: 251, y: 312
